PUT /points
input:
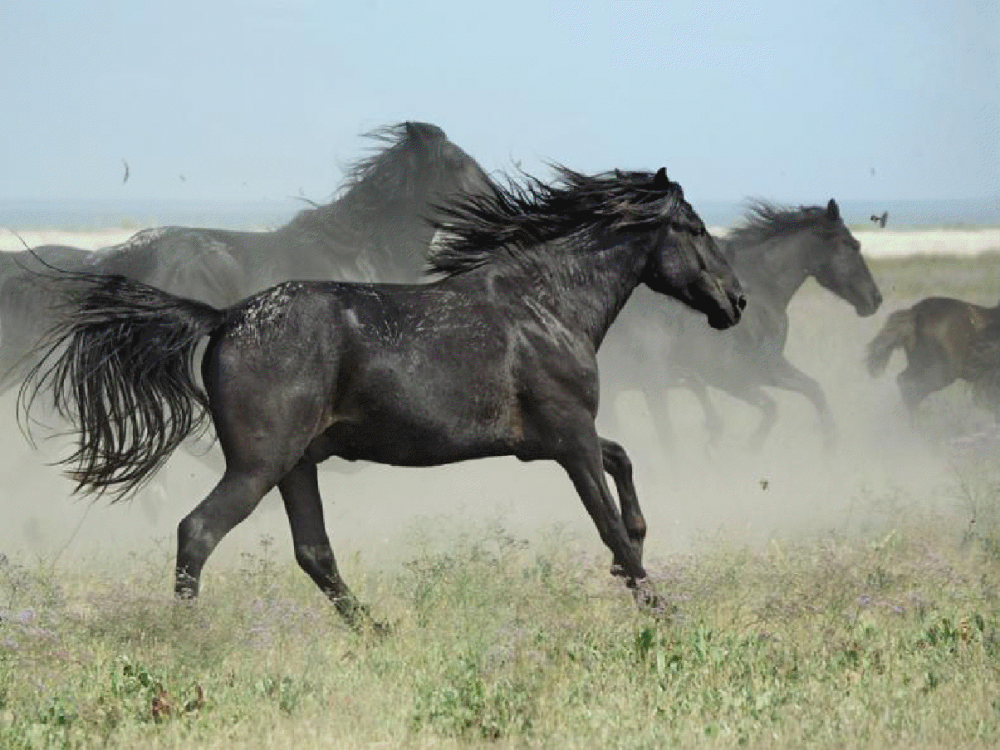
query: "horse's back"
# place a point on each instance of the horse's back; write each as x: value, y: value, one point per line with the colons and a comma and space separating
x: 950, y: 320
x: 943, y: 330
x: 185, y: 261
x: 352, y: 359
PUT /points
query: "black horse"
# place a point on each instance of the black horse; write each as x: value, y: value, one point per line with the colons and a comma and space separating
x: 497, y: 358
x: 773, y: 253
x: 377, y: 230
x: 945, y: 340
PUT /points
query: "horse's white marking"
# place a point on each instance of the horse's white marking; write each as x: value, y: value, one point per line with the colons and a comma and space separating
x: 263, y: 313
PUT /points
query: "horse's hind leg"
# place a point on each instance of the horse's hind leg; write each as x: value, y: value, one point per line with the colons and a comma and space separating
x: 755, y: 396
x: 617, y: 464
x: 300, y: 493
x: 921, y: 378
x: 912, y: 390
x: 232, y: 500
x: 713, y: 422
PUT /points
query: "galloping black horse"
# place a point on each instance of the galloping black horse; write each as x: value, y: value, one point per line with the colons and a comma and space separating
x: 376, y: 231
x: 497, y: 358
x: 773, y: 253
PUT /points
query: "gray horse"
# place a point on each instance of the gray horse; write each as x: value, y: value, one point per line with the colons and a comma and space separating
x: 773, y: 253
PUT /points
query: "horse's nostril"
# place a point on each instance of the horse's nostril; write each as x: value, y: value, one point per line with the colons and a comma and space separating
x: 742, y: 302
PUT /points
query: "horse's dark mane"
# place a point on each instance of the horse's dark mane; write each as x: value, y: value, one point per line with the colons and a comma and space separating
x: 390, y: 141
x: 520, y: 216
x: 372, y: 181
x: 764, y: 220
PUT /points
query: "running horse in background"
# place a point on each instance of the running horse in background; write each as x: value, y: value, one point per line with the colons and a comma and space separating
x: 773, y: 253
x: 377, y: 230
x: 497, y: 358
x: 945, y: 340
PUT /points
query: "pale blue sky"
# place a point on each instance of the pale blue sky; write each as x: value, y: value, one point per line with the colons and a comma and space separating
x: 257, y: 99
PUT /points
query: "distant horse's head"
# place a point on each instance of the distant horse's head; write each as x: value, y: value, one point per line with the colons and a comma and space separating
x: 812, y: 241
x: 687, y: 264
x: 391, y: 195
x: 451, y: 168
x: 839, y: 266
x: 419, y: 168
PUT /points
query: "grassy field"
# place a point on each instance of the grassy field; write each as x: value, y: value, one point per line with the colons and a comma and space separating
x: 804, y: 601
x: 885, y: 640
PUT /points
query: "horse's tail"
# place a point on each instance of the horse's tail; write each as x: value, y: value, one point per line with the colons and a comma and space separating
x: 120, y: 367
x: 898, y: 331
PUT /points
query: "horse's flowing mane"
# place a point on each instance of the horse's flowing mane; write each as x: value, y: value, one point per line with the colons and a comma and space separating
x: 520, y: 216
x: 390, y: 144
x: 765, y: 220
x: 379, y: 179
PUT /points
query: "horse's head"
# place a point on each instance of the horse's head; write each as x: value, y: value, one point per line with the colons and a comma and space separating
x: 687, y: 264
x: 837, y: 263
x: 393, y: 194
x: 436, y: 168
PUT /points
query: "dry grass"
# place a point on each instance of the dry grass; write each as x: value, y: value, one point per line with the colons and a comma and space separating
x: 884, y: 641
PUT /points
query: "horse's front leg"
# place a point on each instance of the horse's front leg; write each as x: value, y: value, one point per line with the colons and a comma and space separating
x: 617, y: 464
x: 585, y: 467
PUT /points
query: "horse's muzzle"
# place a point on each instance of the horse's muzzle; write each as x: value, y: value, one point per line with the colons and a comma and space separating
x: 727, y: 319
x: 869, y: 306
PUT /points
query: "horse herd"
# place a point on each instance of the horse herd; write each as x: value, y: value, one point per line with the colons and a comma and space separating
x: 323, y: 340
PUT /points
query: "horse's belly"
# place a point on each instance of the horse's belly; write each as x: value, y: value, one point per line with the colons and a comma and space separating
x: 420, y: 421
x: 407, y: 443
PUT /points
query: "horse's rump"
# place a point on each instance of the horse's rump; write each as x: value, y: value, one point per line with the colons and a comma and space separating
x: 899, y: 330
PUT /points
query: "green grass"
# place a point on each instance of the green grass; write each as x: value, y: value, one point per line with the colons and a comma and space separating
x: 888, y: 639
x: 973, y: 278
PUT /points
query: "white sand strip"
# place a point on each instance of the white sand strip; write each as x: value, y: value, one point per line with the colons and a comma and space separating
x: 875, y: 243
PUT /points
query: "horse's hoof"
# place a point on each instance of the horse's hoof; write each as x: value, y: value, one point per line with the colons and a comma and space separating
x: 618, y: 571
x: 375, y: 629
x: 649, y: 602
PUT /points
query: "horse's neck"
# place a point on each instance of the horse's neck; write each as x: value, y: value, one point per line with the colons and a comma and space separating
x: 775, y: 269
x: 393, y: 231
x: 586, y: 289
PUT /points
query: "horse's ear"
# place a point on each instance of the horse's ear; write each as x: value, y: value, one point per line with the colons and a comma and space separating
x: 413, y: 131
x: 660, y: 179
x: 832, y: 210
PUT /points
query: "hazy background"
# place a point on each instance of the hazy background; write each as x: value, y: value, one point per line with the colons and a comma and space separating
x: 263, y: 99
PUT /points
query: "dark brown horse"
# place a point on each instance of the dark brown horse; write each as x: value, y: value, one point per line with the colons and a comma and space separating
x: 945, y: 340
